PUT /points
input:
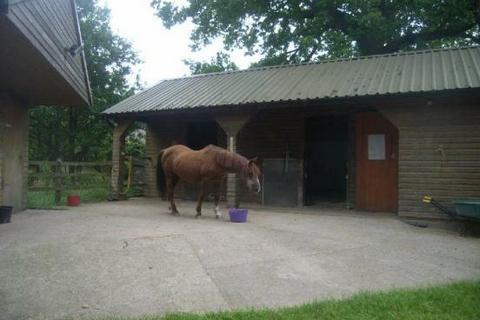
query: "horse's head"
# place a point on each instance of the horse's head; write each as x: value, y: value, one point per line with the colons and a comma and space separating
x: 252, y: 175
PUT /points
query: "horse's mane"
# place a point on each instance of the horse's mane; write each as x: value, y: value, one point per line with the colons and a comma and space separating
x: 227, y: 159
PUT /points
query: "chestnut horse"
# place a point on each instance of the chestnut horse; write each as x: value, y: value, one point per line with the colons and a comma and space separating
x: 206, y: 166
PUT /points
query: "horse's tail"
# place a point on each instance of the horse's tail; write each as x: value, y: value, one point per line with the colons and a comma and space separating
x: 161, y: 179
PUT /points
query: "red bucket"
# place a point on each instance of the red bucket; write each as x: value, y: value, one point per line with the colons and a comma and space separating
x: 73, y: 201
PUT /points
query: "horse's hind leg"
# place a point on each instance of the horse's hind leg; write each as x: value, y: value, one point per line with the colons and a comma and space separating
x: 201, y: 197
x: 171, y: 183
x: 218, y: 213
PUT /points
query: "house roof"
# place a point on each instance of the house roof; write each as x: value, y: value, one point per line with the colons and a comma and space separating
x: 399, y: 73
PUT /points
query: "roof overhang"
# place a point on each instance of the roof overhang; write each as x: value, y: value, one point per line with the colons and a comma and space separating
x: 28, y: 75
x: 343, y: 104
x: 398, y: 74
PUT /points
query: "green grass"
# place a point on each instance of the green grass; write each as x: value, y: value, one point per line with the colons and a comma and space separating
x: 459, y: 301
x: 46, y: 199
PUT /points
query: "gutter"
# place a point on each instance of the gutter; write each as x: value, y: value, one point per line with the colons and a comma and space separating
x: 80, y: 41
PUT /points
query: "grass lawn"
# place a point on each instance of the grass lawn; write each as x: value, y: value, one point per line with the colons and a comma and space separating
x: 46, y: 199
x: 455, y: 301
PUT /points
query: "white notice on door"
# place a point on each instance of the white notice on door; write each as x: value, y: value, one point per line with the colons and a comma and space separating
x: 376, y: 147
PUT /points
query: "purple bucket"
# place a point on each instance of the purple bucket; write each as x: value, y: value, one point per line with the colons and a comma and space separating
x: 238, y: 215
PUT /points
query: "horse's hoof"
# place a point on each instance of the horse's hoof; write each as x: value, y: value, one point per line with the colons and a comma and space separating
x: 198, y: 215
x: 174, y: 213
x: 218, y: 213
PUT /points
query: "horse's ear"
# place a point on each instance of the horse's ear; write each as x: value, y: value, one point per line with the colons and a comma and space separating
x: 259, y: 161
x: 253, y: 160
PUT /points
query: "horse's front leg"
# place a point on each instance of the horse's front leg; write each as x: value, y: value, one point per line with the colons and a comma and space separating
x: 201, y: 197
x: 218, y: 213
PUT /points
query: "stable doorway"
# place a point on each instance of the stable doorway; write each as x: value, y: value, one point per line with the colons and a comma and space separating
x: 325, y: 164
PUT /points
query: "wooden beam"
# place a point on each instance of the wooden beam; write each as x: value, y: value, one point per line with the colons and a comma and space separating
x: 232, y: 124
x: 118, y: 170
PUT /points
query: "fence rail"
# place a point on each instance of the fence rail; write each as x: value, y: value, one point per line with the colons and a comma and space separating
x: 59, y: 176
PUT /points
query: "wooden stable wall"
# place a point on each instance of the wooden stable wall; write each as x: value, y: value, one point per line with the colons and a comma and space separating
x: 439, y: 153
x: 268, y: 134
x: 161, y: 133
x: 13, y: 153
x: 271, y: 132
x: 439, y: 146
x: 265, y: 135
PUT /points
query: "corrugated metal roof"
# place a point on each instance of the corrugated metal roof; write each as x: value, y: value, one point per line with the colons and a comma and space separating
x: 408, y: 72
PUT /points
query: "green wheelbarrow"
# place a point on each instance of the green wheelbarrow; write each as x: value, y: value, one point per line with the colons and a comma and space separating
x: 464, y: 208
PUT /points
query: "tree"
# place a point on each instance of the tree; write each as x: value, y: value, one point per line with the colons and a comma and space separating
x: 135, y: 142
x: 82, y: 133
x: 289, y: 31
x: 220, y: 63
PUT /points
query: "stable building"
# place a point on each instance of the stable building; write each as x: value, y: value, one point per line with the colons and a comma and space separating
x: 372, y: 133
x: 41, y: 63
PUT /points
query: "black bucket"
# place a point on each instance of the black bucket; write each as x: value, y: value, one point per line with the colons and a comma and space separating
x: 5, y: 214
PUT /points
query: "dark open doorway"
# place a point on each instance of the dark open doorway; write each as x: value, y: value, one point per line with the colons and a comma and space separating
x: 201, y: 134
x: 326, y: 156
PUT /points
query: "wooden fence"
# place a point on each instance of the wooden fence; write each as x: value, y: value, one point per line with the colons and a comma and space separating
x: 60, y: 176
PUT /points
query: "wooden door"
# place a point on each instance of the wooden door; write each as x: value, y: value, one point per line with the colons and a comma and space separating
x: 377, y: 163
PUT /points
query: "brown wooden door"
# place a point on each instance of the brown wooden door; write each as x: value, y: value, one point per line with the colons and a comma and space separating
x: 377, y: 163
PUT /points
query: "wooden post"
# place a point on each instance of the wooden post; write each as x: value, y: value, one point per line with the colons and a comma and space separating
x: 58, y: 182
x: 3, y: 127
x: 152, y: 148
x: 232, y: 124
x: 118, y: 168
x: 130, y: 172
x: 232, y: 181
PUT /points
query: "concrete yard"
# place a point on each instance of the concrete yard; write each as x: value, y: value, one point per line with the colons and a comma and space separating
x: 133, y: 258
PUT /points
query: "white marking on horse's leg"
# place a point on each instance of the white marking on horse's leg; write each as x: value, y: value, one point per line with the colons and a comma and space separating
x: 218, y: 213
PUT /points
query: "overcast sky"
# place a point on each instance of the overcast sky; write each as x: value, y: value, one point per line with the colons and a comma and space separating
x: 161, y: 50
